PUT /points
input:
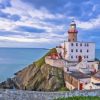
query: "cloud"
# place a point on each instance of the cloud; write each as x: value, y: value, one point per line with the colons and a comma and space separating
x: 55, y: 6
x: 4, y: 4
x: 23, y: 39
x: 44, y: 22
x: 33, y: 38
x: 32, y: 22
x: 28, y: 16
x: 91, y: 24
x: 27, y: 11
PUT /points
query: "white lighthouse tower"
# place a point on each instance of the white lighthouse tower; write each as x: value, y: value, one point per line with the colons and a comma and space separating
x: 72, y: 32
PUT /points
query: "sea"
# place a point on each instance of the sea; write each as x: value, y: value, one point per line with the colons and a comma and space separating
x: 15, y: 59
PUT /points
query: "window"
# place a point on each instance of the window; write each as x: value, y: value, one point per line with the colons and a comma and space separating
x: 76, y: 50
x: 81, y: 50
x: 72, y: 44
x: 87, y: 57
x: 76, y: 44
x: 72, y: 57
x: 87, y: 50
x: 80, y: 44
x: 87, y: 44
x: 71, y: 50
x: 76, y: 56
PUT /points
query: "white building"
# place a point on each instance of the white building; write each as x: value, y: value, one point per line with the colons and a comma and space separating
x: 72, y: 50
x: 80, y: 61
x: 87, y: 67
x: 78, y: 50
x: 95, y: 82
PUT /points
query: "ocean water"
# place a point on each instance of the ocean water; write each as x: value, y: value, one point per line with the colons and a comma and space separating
x: 98, y: 54
x: 15, y: 59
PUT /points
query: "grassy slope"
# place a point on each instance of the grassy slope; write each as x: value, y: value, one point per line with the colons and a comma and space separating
x: 41, y: 61
x: 79, y: 98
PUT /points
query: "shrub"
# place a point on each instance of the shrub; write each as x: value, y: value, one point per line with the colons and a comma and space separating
x: 80, y: 98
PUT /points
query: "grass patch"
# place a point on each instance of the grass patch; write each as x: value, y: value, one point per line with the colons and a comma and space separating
x: 80, y: 98
x: 63, y: 89
x: 41, y: 61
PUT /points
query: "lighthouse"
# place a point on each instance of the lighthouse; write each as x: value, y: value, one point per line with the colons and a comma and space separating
x: 77, y: 59
x: 72, y: 32
x: 75, y: 50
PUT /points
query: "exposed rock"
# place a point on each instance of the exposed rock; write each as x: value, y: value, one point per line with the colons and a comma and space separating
x: 37, y: 76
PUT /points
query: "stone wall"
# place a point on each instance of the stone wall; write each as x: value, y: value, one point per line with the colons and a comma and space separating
x: 33, y: 95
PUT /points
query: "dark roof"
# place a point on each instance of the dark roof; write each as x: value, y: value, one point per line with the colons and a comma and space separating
x: 79, y: 75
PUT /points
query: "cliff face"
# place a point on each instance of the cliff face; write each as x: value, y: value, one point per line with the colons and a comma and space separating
x: 37, y: 76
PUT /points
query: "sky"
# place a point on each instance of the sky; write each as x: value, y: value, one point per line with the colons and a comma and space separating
x: 44, y: 23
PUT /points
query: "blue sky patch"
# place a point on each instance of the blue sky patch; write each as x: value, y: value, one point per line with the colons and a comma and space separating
x: 30, y: 29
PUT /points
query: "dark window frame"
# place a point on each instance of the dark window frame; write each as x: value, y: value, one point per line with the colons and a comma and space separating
x: 76, y: 50
x: 71, y: 57
x: 76, y: 44
x: 72, y: 50
x: 87, y: 57
x: 80, y: 44
x: 80, y: 50
x: 72, y: 44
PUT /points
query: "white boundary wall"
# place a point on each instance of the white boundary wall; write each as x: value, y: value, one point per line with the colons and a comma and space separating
x: 55, y: 62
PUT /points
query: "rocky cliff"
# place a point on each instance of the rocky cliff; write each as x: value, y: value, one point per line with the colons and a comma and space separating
x: 37, y: 76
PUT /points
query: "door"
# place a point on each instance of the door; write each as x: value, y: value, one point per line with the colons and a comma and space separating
x: 79, y: 58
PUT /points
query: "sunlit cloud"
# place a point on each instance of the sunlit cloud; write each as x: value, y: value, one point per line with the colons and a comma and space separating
x: 23, y: 39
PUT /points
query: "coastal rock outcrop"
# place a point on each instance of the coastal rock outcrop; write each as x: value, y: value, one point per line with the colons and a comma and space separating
x: 37, y: 76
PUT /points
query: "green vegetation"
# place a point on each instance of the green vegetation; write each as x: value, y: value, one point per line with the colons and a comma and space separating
x: 79, y: 98
x: 41, y: 61
x: 63, y: 89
